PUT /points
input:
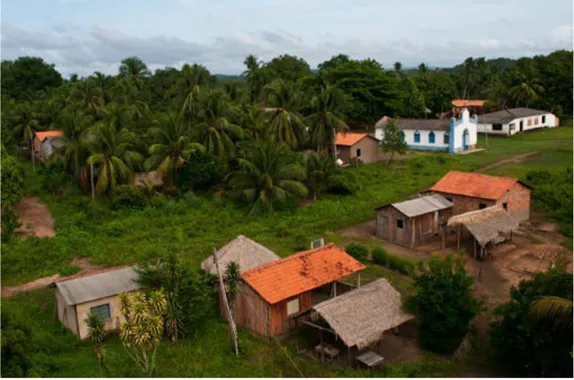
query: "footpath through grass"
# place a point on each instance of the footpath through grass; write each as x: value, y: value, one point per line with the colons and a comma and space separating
x: 196, y: 224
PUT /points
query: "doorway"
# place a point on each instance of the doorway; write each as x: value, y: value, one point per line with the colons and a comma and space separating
x: 521, y: 126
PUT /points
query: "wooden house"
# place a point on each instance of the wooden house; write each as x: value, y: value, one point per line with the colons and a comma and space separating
x: 474, y: 191
x: 274, y: 295
x: 412, y: 222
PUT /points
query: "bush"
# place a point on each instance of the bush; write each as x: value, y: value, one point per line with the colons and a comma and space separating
x: 358, y: 251
x: 128, y: 197
x: 443, y: 303
x: 56, y: 177
x: 12, y: 180
x: 342, y: 185
x: 396, y: 263
x: 529, y: 346
x: 9, y: 223
x: 201, y: 171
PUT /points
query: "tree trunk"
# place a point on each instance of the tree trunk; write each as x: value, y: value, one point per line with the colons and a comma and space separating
x: 391, y: 158
x: 33, y: 155
x: 334, y: 144
x: 92, y: 183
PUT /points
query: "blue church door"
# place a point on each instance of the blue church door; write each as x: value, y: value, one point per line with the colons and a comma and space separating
x: 465, y: 140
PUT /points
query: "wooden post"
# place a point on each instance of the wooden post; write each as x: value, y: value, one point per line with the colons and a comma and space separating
x: 349, y: 360
x: 334, y: 289
x: 322, y: 347
x: 510, y: 235
x: 458, y: 237
x: 443, y: 237
x: 227, y: 308
x: 358, y: 279
x: 475, y: 242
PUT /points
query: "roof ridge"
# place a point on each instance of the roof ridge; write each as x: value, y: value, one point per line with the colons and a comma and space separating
x: 482, y: 174
x: 290, y: 257
x: 94, y: 272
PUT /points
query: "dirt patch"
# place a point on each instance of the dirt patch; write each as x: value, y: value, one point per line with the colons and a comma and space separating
x: 512, y: 160
x: 35, y: 217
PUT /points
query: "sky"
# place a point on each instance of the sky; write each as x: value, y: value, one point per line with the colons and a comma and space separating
x: 83, y: 36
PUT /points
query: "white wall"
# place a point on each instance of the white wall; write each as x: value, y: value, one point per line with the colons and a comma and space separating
x: 550, y: 121
x: 460, y: 126
x: 424, y: 141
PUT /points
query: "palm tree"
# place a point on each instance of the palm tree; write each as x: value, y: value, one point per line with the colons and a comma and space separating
x: 187, y: 88
x: 133, y: 70
x: 172, y: 146
x: 111, y: 147
x: 132, y: 99
x: 556, y: 309
x: 267, y: 175
x: 254, y: 122
x: 398, y: 67
x: 326, y: 119
x: 285, y: 123
x: 24, y: 129
x: 215, y: 130
x: 527, y: 91
x: 104, y: 84
x: 74, y: 123
x: 97, y: 333
x: 89, y: 95
x: 320, y: 170
x: 254, y: 75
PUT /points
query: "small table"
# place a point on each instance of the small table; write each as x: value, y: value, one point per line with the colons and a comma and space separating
x: 370, y: 359
x: 327, y: 349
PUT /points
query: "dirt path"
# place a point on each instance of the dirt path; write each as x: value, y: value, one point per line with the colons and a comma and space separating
x: 86, y: 269
x: 511, y: 160
x: 35, y: 217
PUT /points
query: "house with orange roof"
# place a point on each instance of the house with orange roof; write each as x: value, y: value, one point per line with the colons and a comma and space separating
x: 274, y: 296
x: 46, y: 142
x: 474, y: 191
x: 361, y: 146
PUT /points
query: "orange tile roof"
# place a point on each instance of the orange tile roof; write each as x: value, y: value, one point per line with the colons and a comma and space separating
x: 278, y: 280
x: 44, y: 135
x: 468, y: 103
x: 349, y: 138
x: 475, y: 185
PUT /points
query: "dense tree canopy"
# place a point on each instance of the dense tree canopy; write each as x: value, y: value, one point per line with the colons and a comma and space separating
x: 26, y: 76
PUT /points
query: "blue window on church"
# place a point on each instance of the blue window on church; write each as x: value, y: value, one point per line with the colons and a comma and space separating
x: 417, y: 137
x: 446, y: 139
x: 431, y: 137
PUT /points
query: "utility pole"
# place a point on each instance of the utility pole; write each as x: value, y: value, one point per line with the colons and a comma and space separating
x: 227, y: 308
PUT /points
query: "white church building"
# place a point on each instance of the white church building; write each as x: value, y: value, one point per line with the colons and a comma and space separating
x: 515, y: 120
x: 453, y: 136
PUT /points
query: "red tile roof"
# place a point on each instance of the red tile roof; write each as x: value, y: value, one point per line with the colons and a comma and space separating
x: 350, y: 138
x: 44, y: 135
x: 475, y: 185
x: 278, y: 280
x: 468, y: 103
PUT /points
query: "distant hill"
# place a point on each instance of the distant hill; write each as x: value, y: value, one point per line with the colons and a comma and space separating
x: 227, y: 76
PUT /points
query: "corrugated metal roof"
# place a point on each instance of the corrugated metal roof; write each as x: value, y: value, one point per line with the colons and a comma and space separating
x: 422, y: 205
x: 507, y: 115
x: 416, y: 124
x: 85, y: 289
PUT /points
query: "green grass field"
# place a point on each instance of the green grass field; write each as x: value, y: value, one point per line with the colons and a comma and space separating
x: 196, y: 224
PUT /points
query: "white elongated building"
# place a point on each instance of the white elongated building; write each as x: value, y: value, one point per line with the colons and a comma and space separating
x: 515, y: 120
x: 453, y: 136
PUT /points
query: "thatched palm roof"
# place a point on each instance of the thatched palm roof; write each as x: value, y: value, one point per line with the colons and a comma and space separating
x: 360, y: 317
x: 486, y: 224
x: 243, y: 251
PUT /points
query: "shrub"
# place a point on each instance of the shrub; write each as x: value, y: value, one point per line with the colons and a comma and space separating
x: 128, y: 197
x: 12, y: 180
x: 9, y: 223
x: 396, y: 263
x: 443, y: 303
x: 201, y: 171
x: 358, y: 251
x: 342, y: 185
x: 529, y: 346
x: 56, y: 177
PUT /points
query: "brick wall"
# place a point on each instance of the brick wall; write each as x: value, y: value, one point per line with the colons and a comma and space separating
x: 518, y: 202
x: 464, y: 204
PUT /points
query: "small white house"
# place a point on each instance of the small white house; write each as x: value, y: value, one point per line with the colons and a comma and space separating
x: 515, y: 120
x: 451, y: 136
